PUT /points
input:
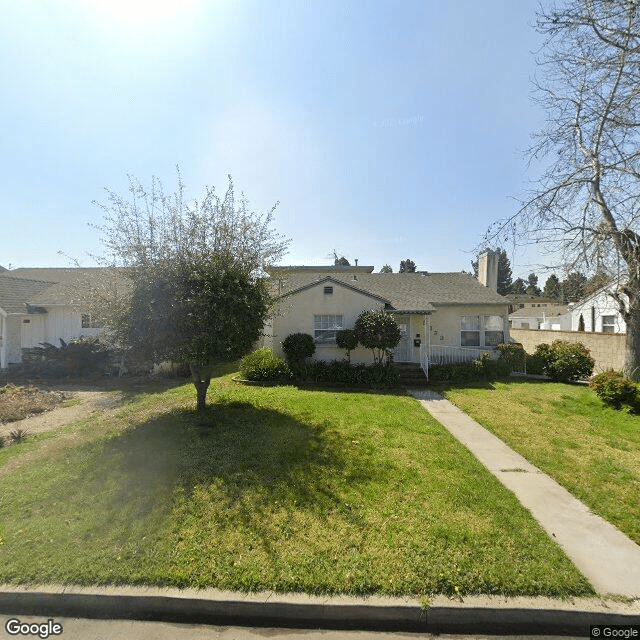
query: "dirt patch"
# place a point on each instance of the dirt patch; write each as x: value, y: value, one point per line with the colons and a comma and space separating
x: 86, y: 403
x: 17, y: 402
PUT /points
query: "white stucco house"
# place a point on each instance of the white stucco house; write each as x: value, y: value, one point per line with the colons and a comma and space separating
x: 599, y: 312
x: 444, y: 317
x: 37, y: 305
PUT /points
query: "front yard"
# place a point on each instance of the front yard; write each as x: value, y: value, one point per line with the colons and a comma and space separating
x: 279, y: 488
x: 593, y: 451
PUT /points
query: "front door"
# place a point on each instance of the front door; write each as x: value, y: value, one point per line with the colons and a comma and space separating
x: 402, y: 353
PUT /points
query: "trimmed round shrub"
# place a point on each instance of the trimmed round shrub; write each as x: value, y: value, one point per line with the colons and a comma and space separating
x: 298, y: 347
x: 378, y: 331
x: 264, y: 365
x: 569, y: 361
x: 615, y: 389
x: 348, y: 340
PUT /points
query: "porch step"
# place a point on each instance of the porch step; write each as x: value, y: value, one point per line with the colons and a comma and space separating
x: 411, y: 374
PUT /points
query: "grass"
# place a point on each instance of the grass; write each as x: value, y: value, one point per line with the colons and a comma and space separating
x: 566, y: 431
x: 18, y: 402
x: 276, y: 488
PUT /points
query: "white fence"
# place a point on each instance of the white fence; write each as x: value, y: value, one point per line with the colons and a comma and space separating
x: 454, y: 355
x: 437, y: 354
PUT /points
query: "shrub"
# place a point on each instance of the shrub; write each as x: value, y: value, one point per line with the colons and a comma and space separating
x: 346, y: 339
x: 615, y: 389
x: 378, y: 331
x: 298, y: 347
x: 76, y: 357
x: 264, y: 365
x: 513, y: 355
x: 568, y: 361
x: 344, y: 374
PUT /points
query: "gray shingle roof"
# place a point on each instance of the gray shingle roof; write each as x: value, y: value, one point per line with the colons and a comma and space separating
x: 404, y: 291
x: 15, y: 293
x: 67, y: 285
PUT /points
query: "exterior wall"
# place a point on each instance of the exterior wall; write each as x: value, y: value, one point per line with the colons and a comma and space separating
x: 445, y: 321
x: 295, y: 314
x: 607, y: 349
x: 603, y: 305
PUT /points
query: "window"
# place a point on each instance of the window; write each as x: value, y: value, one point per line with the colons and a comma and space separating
x: 87, y: 322
x: 608, y: 324
x: 493, y: 331
x: 325, y: 328
x: 328, y: 290
x: 470, y: 331
x: 481, y: 331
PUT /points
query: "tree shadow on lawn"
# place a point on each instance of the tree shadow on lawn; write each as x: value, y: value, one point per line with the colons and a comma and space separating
x: 248, y: 460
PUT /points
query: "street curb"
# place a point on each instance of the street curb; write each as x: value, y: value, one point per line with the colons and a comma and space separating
x: 480, y: 614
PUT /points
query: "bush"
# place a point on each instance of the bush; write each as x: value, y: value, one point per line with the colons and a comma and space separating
x: 378, y: 331
x: 344, y: 374
x: 513, y: 355
x: 77, y: 357
x: 298, y: 347
x: 264, y: 365
x: 615, y: 389
x: 346, y: 339
x: 566, y: 361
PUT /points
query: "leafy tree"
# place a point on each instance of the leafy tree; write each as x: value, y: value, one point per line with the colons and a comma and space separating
x: 407, y: 266
x: 386, y: 269
x: 341, y: 262
x: 378, y: 331
x: 518, y: 287
x: 199, y: 313
x: 532, y: 285
x: 572, y: 287
x: 192, y: 268
x: 585, y: 206
x: 552, y: 287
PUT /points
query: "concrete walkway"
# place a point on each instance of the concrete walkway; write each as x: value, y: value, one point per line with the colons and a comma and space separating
x: 604, y: 555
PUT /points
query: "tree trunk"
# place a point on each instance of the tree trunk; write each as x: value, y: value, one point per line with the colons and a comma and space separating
x: 201, y: 376
x: 632, y: 345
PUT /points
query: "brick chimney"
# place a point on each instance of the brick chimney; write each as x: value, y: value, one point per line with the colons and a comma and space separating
x: 488, y: 269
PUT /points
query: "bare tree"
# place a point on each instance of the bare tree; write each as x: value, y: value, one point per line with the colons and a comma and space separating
x: 586, y: 205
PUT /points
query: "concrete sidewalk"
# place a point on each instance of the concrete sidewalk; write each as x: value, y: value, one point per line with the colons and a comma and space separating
x: 605, y: 556
x: 471, y: 615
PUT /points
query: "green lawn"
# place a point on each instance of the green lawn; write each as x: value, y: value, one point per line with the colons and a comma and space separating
x: 278, y: 488
x: 565, y: 430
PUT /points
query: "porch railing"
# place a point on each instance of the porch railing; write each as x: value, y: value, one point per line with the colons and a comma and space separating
x: 454, y: 355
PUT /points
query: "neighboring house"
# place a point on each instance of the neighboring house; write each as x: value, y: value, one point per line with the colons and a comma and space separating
x: 41, y: 305
x: 599, y: 312
x: 553, y: 316
x: 442, y: 316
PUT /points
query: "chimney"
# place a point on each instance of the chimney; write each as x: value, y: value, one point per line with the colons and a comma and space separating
x: 488, y: 269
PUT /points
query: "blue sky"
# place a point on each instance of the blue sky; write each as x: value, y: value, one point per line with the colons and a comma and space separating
x: 385, y: 130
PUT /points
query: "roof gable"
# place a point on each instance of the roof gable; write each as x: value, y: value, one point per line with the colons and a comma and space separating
x: 338, y: 282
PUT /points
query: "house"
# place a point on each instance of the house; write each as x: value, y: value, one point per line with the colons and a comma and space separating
x: 599, y: 312
x: 43, y: 305
x: 443, y: 317
x: 544, y: 316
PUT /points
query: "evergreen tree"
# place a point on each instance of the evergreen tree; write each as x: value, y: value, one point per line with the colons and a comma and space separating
x: 407, y: 266
x: 552, y: 287
x: 532, y: 285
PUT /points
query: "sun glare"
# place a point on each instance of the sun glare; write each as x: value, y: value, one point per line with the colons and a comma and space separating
x: 139, y: 12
